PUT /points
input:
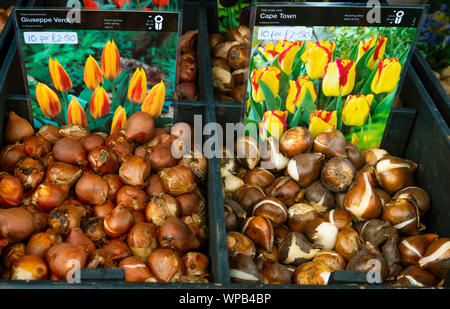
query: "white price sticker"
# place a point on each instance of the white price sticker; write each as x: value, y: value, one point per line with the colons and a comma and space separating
x: 44, y: 37
x: 285, y: 33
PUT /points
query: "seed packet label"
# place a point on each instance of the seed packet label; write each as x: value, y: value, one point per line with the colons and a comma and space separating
x: 45, y: 37
x: 327, y: 66
x: 95, y: 68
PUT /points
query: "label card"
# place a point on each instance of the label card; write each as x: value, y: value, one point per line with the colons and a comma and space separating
x: 328, y: 66
x: 98, y: 69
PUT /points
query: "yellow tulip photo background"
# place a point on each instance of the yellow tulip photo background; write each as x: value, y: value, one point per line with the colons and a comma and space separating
x: 344, y: 78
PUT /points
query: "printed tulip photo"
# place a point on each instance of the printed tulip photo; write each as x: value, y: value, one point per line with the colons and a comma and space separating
x: 344, y: 78
x: 101, y: 81
x: 147, y: 5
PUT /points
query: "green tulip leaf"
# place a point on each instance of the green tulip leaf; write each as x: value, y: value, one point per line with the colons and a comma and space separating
x: 275, y: 62
x: 86, y: 94
x: 121, y: 93
x: 382, y: 110
x: 297, y: 64
x: 303, y: 111
x: 339, y: 111
x: 268, y: 96
x: 354, y: 53
x: 251, y: 132
x: 284, y: 85
x: 367, y: 88
x: 102, y: 121
x: 403, y: 57
x: 362, y: 72
x: 256, y: 110
x: 262, y: 56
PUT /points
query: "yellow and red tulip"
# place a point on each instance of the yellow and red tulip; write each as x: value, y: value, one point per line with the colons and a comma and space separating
x: 60, y: 78
x: 99, y: 104
x: 320, y: 121
x: 339, y: 77
x: 110, y: 61
x: 364, y: 46
x: 316, y: 57
x: 356, y: 109
x: 154, y: 101
x: 387, y: 76
x: 92, y: 73
x: 76, y: 114
x: 273, y: 123
x: 287, y: 57
x: 138, y: 86
x: 297, y: 90
x: 268, y: 51
x: 119, y: 121
x: 270, y: 76
x: 48, y: 100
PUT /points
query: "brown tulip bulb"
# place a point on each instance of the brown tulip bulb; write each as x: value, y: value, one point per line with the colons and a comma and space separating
x: 260, y: 231
x: 142, y: 240
x: 132, y: 197
x: 331, y: 258
x: 376, y: 231
x: 40, y: 218
x: 103, y: 161
x: 264, y: 257
x: 91, y: 142
x: 237, y: 56
x: 118, y: 249
x: 347, y: 242
x: 160, y: 207
x: 13, y: 253
x: 140, y: 127
x: 312, y: 273
x: 437, y: 256
x: 118, y: 221
x: 93, y: 229
x: 260, y: 177
x: 276, y: 273
x: 74, y: 131
x: 197, y: 163
x: 39, y: 243
x: 354, y: 155
x: 331, y: 143
x: 394, y: 174
x: 195, y: 263
x: 118, y: 143
x: 92, y: 189
x: 77, y: 237
x: 322, y: 233
x: 29, y: 267
x: 64, y: 258
x: 319, y: 197
x: 197, y: 226
x: 413, y: 248
x: 300, y: 216
x: 296, y: 249
x: 161, y: 157
x: 337, y: 174
x: 135, y: 269
x: 101, y: 211
x: 114, y: 185
x: 61, y: 173
x: 11, y: 190
x: 339, y: 200
x: 285, y: 189
x: 239, y: 34
x: 383, y: 196
x: 67, y: 217
x: 247, y: 151
x: 271, y: 157
x: 48, y: 196
x: 214, y: 39
x: 363, y: 261
x: 403, y: 216
x: 416, y: 276
x: 372, y: 156
x: 166, y: 265
x: 134, y: 171
x: 339, y: 217
x: 234, y: 215
x: 238, y: 243
x: 391, y: 254
x: 248, y: 195
x: 271, y: 209
x: 69, y: 151
x: 305, y: 168
x: 190, y: 203
x: 16, y: 224
x: 36, y: 146
x: 418, y: 195
x: 186, y: 91
x: 280, y: 234
x: 176, y: 234
x: 30, y: 172
x: 295, y: 141
x: 154, y: 185
x: 17, y: 128
x: 361, y: 201
x: 244, y: 270
x: 177, y: 180
x: 10, y: 155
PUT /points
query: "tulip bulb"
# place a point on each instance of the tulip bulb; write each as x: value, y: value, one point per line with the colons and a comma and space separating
x: 272, y: 158
x: 247, y: 151
x: 331, y: 258
x: 394, y: 174
x: 331, y: 143
x: 296, y: 249
x: 418, y: 196
x: 416, y: 276
x: 337, y: 174
x: 305, y: 168
x: 17, y: 128
x: 300, y: 216
x: 403, y: 216
x: 260, y: 231
x: 324, y: 235
x: 319, y: 197
x: 244, y: 270
x: 437, y: 257
x: 372, y: 155
x: 238, y: 243
x: 312, y: 273
x: 413, y: 248
x: 347, y: 242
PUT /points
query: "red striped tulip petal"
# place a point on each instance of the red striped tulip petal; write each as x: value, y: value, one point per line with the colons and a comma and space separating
x: 270, y: 76
x: 110, y: 61
x: 48, y: 100
x: 99, y: 105
x: 387, y: 76
x: 339, y: 77
x: 320, y: 121
x: 76, y: 114
x: 119, y: 121
x: 273, y: 123
x: 316, y: 58
x: 154, y: 101
x: 138, y: 87
x: 92, y: 73
x: 356, y: 109
x: 297, y: 91
x: 287, y: 57
x: 60, y: 78
x: 364, y: 46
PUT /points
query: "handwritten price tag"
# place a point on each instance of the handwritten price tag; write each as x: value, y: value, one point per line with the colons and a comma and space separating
x: 285, y: 33
x: 41, y: 37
